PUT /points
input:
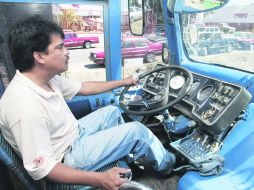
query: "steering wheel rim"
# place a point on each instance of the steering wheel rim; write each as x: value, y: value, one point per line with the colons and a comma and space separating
x: 183, y: 92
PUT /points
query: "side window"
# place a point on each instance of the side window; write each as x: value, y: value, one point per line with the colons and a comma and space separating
x: 85, y: 19
x: 74, y: 35
x: 217, y: 37
x: 67, y: 36
x: 141, y: 43
x: 231, y: 22
x: 128, y: 44
x: 248, y: 35
x: 205, y: 36
x: 154, y: 31
x: 81, y: 21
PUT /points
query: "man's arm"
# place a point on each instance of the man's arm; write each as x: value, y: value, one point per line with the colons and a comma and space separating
x: 96, y: 87
x: 109, y: 180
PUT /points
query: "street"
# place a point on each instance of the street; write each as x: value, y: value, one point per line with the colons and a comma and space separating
x: 81, y: 68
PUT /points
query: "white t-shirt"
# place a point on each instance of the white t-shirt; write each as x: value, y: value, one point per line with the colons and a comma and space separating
x: 38, y: 124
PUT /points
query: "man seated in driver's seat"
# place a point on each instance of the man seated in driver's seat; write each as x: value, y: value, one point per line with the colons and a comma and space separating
x: 36, y: 121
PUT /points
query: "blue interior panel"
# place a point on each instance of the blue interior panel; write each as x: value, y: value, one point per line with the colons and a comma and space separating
x: 79, y: 106
x: 239, y: 158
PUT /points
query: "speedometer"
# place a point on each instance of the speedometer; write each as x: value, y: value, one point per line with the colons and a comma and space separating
x: 205, y: 92
x: 194, y: 86
x: 177, y: 82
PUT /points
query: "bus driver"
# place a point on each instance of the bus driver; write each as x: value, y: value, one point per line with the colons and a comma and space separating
x: 36, y: 121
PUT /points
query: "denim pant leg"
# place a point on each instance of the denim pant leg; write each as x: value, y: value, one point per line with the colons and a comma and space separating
x: 93, y: 151
x: 104, y: 118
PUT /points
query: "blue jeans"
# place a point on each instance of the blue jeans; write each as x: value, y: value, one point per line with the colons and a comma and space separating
x: 105, y: 138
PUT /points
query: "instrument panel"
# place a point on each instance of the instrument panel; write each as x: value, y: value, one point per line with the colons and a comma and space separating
x: 205, y: 92
x: 212, y: 102
x: 177, y: 82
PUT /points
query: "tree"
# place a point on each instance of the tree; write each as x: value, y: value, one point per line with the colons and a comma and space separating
x: 69, y: 19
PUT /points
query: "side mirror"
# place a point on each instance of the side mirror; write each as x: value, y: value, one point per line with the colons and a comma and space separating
x: 136, y: 18
x: 165, y: 54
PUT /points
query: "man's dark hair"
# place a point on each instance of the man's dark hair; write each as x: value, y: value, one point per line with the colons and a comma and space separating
x: 29, y: 35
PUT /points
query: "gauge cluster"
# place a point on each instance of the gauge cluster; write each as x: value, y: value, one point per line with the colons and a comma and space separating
x: 210, y: 101
x: 213, y: 103
x: 205, y: 92
x: 177, y: 82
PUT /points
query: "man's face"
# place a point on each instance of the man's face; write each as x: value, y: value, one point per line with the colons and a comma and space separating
x: 56, y: 59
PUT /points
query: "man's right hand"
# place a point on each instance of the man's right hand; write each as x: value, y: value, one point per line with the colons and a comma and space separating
x: 112, y: 179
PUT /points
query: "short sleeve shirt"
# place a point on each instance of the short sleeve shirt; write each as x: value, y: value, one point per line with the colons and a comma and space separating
x: 39, y: 124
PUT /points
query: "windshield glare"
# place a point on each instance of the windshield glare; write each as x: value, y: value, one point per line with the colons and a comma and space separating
x: 224, y: 36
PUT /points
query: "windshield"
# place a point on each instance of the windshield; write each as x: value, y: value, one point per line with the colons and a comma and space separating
x: 224, y: 36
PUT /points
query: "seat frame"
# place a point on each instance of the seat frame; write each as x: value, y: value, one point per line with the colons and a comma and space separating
x: 14, y: 164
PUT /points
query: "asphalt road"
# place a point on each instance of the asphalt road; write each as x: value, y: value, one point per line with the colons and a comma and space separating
x: 81, y: 68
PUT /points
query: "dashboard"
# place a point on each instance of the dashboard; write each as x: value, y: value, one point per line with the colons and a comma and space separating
x: 213, y: 103
x: 210, y: 104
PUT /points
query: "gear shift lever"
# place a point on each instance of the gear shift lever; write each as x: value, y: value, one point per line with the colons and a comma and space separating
x: 177, y: 125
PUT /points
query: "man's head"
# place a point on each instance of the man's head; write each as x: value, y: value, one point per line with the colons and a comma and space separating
x: 33, y: 34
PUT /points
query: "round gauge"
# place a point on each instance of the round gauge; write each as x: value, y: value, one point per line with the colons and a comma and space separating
x: 194, y: 86
x: 177, y: 82
x: 205, y: 92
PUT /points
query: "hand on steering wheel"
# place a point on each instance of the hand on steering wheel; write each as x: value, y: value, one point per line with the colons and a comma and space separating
x: 156, y: 89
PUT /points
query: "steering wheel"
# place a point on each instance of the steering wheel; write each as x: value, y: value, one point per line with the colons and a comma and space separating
x: 159, y: 83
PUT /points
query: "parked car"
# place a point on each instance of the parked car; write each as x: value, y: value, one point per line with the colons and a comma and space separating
x: 132, y: 47
x: 245, y: 40
x: 97, y: 57
x: 71, y: 39
x: 213, y: 43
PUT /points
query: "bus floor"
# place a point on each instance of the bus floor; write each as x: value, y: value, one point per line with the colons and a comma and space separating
x: 155, y: 180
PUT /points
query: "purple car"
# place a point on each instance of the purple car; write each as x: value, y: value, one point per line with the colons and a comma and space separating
x: 132, y: 47
x: 245, y: 40
x: 71, y: 39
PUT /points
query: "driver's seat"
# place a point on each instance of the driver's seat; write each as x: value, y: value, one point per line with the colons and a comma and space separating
x: 22, y: 180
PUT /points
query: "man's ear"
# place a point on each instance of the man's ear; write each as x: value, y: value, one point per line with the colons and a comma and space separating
x: 38, y: 57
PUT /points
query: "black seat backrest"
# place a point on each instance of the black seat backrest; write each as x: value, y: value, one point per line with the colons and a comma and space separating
x: 4, y: 74
x: 1, y: 86
x: 13, y: 163
x: 1, y: 69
